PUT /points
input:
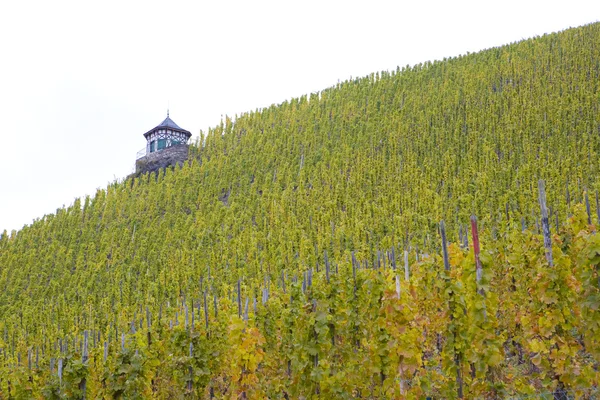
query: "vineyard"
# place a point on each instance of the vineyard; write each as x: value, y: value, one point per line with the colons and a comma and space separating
x: 426, y: 232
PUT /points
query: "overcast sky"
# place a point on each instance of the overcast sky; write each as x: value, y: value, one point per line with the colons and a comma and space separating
x: 81, y: 81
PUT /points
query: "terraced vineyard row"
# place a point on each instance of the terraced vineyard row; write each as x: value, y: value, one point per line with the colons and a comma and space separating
x: 398, y: 328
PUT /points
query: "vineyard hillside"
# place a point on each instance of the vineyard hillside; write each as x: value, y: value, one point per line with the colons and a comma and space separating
x: 300, y: 252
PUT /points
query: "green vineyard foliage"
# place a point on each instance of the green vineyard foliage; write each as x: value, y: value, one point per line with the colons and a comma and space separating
x: 272, y: 264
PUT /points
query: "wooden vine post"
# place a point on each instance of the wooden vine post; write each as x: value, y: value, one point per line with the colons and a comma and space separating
x: 190, y: 370
x: 597, y: 209
x: 239, y: 299
x: 406, y: 268
x: 326, y: 266
x: 476, y: 251
x: 587, y: 207
x: 545, y: 223
x: 206, y: 313
x: 84, y: 360
x: 459, y: 380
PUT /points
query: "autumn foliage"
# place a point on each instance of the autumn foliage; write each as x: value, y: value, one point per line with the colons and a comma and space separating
x: 272, y: 264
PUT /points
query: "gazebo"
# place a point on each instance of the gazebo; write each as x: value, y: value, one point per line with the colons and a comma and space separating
x: 165, y: 135
x: 167, y: 144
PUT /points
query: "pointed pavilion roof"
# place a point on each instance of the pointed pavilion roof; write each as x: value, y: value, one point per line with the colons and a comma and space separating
x: 168, y: 123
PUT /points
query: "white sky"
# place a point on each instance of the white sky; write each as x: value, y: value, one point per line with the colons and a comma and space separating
x: 81, y: 81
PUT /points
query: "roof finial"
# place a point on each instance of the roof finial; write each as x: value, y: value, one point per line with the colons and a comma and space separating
x: 168, y: 108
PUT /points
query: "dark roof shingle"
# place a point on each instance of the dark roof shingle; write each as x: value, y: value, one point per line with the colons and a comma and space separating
x: 168, y: 123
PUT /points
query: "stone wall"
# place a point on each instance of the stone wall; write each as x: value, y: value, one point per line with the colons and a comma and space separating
x: 161, y: 159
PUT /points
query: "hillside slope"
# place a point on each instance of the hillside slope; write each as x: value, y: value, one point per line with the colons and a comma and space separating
x: 354, y: 171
